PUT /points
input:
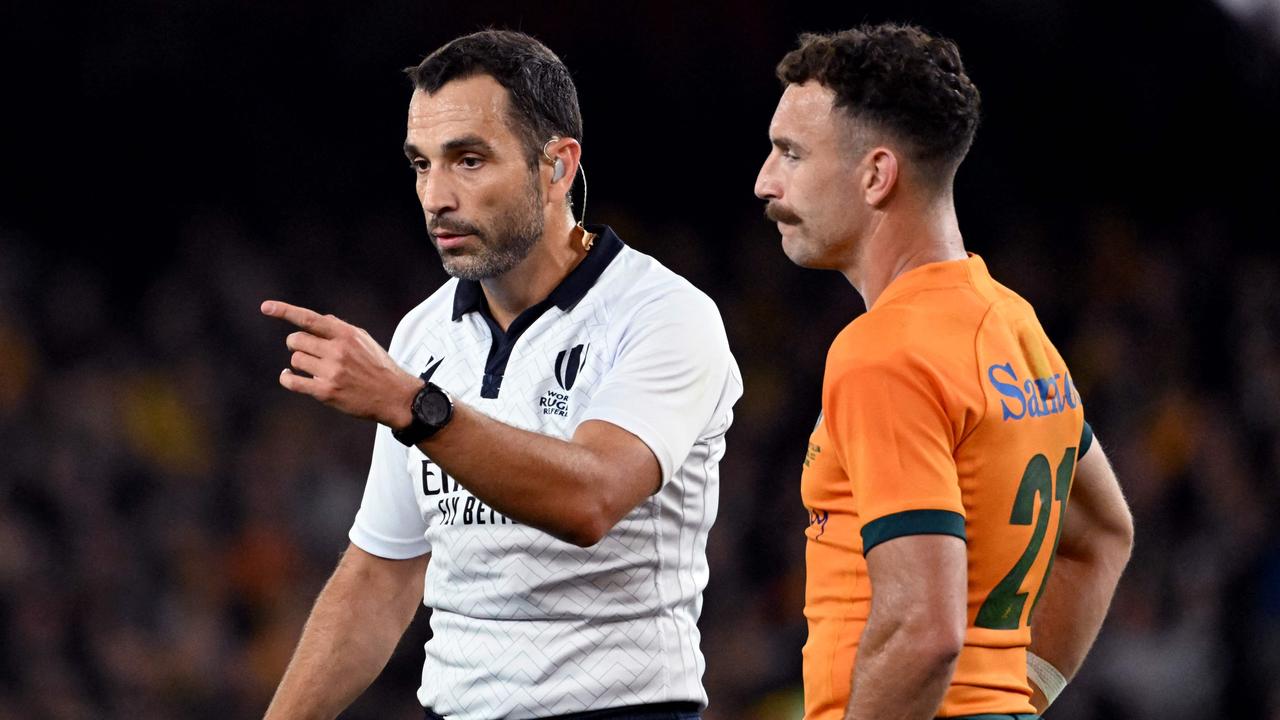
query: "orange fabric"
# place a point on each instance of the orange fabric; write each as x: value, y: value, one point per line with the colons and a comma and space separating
x: 946, y: 395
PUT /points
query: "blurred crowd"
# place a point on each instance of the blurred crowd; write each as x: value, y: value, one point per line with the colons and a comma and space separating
x: 169, y: 513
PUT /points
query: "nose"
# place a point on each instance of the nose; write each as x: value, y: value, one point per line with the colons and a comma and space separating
x: 436, y: 193
x: 767, y: 187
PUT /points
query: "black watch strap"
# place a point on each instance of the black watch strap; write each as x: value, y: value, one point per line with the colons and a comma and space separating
x: 431, y: 410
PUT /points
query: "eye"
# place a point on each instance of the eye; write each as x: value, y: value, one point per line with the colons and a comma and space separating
x: 419, y: 165
x: 471, y: 162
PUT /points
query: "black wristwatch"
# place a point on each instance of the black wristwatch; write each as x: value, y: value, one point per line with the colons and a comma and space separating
x: 432, y: 408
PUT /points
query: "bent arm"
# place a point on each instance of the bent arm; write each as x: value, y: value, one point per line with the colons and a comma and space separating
x: 1097, y: 537
x: 576, y: 490
x: 353, y: 629
x: 915, y: 631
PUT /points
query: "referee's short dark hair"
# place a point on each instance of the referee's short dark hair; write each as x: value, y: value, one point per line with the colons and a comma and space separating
x: 544, y: 101
x: 898, y: 78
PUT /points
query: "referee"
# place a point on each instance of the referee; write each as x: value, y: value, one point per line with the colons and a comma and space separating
x: 550, y: 423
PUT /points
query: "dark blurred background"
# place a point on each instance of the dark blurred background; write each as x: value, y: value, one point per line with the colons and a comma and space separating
x: 169, y: 512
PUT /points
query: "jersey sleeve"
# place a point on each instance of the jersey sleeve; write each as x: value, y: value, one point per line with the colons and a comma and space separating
x: 1086, y: 441
x: 673, y: 377
x: 894, y: 439
x: 389, y: 523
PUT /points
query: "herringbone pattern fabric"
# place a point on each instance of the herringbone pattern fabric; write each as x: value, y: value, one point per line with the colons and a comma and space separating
x: 526, y: 625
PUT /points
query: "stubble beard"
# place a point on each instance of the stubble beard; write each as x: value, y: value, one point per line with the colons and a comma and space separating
x: 506, y: 244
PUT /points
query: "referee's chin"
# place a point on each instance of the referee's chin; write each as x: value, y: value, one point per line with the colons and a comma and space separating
x: 465, y: 266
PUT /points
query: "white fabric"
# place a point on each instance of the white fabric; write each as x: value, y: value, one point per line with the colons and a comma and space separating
x: 1045, y: 676
x: 526, y: 625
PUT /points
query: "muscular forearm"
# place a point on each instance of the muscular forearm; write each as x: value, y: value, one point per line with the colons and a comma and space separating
x: 351, y: 633
x: 563, y: 488
x: 1075, y: 601
x: 1097, y: 537
x: 914, y: 634
x: 901, y: 674
x: 576, y: 490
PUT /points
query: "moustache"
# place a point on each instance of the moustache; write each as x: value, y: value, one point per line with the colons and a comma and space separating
x: 778, y: 213
x: 452, y: 226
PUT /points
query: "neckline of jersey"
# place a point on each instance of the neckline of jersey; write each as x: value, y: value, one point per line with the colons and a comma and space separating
x: 933, y: 275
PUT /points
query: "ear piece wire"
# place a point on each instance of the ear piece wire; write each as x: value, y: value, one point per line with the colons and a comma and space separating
x: 559, y: 173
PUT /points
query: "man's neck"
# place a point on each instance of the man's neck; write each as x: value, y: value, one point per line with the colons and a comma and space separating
x: 905, y: 239
x: 551, y: 260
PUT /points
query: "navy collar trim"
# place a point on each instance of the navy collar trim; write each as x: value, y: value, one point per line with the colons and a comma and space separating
x: 469, y: 296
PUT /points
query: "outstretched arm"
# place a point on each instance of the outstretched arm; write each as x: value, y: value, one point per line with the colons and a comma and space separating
x: 576, y: 490
x: 353, y: 629
x: 1097, y: 536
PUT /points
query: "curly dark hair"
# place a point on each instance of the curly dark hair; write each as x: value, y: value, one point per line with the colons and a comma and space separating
x: 544, y: 100
x: 900, y: 79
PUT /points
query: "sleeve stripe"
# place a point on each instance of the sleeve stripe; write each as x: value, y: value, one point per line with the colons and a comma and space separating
x: 1086, y: 441
x: 911, y: 522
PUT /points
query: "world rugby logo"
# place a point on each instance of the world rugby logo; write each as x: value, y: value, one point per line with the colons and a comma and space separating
x: 568, y: 364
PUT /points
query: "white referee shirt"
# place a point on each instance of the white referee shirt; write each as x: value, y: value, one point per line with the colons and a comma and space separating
x: 525, y: 625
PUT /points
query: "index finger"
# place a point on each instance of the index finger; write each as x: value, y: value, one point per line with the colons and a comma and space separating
x: 309, y: 320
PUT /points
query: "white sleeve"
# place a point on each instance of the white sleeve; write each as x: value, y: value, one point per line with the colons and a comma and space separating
x: 389, y: 523
x: 671, y: 371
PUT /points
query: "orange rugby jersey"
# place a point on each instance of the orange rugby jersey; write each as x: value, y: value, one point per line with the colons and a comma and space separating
x: 945, y: 409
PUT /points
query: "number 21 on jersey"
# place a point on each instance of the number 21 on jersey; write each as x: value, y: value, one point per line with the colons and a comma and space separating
x: 1002, y: 610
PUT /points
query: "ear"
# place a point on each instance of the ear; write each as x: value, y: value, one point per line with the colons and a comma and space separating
x: 567, y: 151
x: 880, y: 175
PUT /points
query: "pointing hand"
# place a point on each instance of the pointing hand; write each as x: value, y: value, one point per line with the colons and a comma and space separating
x: 344, y: 367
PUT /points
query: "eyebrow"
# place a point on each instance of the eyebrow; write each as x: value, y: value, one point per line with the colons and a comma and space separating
x: 466, y: 142
x: 786, y: 143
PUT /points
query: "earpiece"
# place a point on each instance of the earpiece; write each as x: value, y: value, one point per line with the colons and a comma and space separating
x: 557, y: 172
x: 557, y: 165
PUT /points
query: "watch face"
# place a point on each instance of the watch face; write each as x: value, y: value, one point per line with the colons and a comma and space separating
x: 434, y: 408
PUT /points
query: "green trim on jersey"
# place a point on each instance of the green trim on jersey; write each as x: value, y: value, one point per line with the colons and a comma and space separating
x: 1086, y: 440
x: 911, y: 522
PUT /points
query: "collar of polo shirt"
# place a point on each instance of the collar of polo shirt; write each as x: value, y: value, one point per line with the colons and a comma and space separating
x: 469, y: 297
